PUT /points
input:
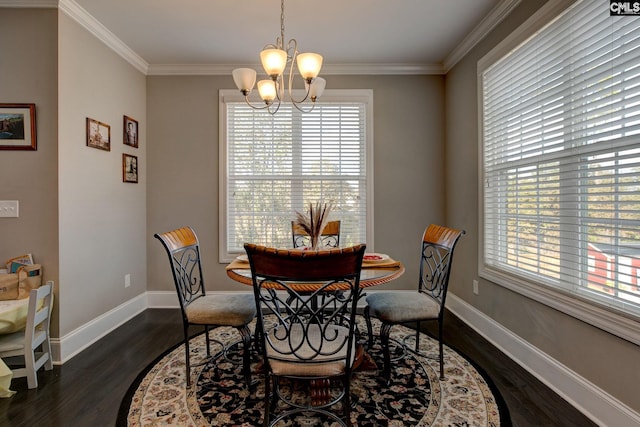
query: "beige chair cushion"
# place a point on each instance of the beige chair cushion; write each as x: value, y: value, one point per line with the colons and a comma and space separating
x: 401, y: 307
x: 316, y: 368
x: 225, y: 310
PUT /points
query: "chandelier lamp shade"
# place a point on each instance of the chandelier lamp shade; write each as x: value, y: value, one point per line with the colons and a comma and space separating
x: 275, y: 58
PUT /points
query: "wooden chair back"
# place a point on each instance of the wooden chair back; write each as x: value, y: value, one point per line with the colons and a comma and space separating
x: 183, y: 249
x: 438, y: 243
x: 304, y: 325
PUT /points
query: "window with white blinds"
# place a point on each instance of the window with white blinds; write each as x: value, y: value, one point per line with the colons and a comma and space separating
x: 278, y: 164
x: 560, y: 117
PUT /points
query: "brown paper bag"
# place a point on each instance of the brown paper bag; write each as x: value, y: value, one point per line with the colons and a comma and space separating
x: 30, y: 277
x: 9, y: 287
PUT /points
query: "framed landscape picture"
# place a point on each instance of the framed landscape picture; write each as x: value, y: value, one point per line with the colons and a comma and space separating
x: 98, y: 135
x: 129, y: 168
x: 130, y: 132
x: 18, y: 127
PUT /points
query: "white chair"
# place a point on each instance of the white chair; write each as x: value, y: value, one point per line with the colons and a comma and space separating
x: 35, y: 336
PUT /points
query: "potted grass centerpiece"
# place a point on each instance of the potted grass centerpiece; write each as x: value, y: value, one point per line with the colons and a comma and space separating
x: 314, y: 221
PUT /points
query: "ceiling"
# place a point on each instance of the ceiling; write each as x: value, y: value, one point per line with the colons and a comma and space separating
x: 419, y: 35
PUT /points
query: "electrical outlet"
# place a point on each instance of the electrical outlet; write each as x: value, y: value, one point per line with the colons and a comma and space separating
x: 475, y: 287
x: 127, y: 280
x: 9, y: 208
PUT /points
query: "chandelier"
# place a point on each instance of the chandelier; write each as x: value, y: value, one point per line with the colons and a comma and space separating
x: 275, y: 58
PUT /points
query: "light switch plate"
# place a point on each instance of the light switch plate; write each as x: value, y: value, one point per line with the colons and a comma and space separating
x: 8, y: 208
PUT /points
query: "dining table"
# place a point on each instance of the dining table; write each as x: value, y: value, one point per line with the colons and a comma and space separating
x: 377, y: 269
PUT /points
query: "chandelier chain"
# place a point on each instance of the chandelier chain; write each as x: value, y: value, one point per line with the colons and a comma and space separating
x: 282, y: 22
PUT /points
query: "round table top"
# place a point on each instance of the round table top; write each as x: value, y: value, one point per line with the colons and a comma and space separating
x: 369, y: 276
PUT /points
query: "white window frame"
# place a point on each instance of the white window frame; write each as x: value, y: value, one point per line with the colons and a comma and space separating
x: 620, y: 324
x: 225, y: 96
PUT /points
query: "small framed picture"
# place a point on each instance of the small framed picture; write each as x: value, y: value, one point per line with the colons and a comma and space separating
x: 98, y: 135
x: 130, y: 132
x: 18, y: 127
x: 129, y: 168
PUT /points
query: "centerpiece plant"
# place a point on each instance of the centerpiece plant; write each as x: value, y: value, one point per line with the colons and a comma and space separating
x: 314, y: 221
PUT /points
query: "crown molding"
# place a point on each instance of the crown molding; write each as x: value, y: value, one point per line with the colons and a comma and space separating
x: 102, y: 33
x: 497, y: 14
x: 328, y: 69
x: 49, y: 4
x: 378, y: 69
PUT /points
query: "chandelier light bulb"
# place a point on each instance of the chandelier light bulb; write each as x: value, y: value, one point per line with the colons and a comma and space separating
x: 317, y: 87
x: 309, y: 65
x: 245, y: 79
x: 267, y: 90
x: 274, y: 61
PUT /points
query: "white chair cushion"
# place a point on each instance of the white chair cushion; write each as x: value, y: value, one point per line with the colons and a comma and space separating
x: 401, y: 307
x: 292, y: 365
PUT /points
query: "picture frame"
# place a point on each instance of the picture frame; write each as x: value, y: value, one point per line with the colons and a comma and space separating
x: 129, y: 168
x: 98, y: 135
x: 18, y: 127
x: 130, y: 132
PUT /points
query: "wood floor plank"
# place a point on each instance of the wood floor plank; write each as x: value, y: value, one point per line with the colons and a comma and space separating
x: 530, y: 402
x: 88, y: 389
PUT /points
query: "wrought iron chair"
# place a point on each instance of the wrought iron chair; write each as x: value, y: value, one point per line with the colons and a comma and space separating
x: 427, y: 304
x: 330, y: 237
x: 307, y: 335
x: 210, y: 311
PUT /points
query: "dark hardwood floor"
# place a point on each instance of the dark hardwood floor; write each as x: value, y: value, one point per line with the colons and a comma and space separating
x: 88, y: 389
x: 530, y: 402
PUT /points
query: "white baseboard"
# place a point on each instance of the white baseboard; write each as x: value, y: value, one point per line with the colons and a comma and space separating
x: 63, y: 349
x: 595, y: 403
x: 163, y: 299
x: 66, y: 347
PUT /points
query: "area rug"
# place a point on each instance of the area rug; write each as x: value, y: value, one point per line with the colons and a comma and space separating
x: 219, y: 396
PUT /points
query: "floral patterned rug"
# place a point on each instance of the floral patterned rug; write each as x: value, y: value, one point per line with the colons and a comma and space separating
x: 415, y: 397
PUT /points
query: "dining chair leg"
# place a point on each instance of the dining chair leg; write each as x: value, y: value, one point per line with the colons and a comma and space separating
x: 246, y: 356
x: 385, y: 330
x: 367, y: 317
x: 440, y: 347
x: 347, y: 401
x: 267, y: 403
x: 417, y: 349
x: 208, y: 340
x: 30, y: 367
x: 186, y: 355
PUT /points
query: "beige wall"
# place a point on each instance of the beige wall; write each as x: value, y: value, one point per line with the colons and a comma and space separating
x: 183, y: 166
x: 102, y: 219
x: 28, y: 74
x: 605, y: 360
